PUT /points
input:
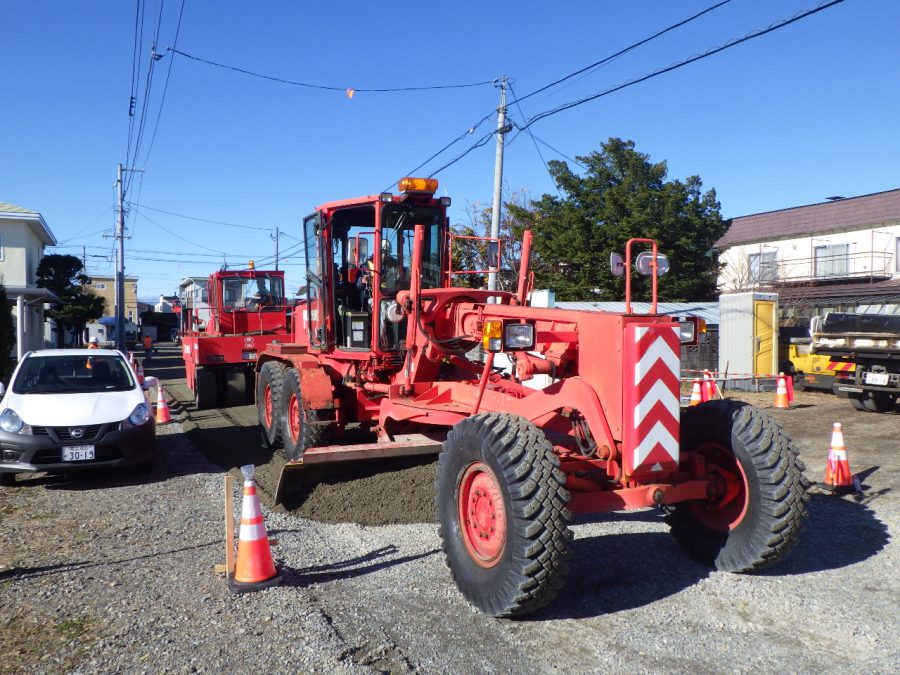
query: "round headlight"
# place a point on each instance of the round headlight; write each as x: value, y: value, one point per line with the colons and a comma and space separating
x: 10, y: 421
x: 140, y: 415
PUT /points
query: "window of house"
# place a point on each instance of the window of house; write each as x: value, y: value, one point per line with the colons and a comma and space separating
x: 100, y: 286
x: 832, y: 260
x: 763, y: 267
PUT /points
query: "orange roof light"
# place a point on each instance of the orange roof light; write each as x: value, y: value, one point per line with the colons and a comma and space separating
x: 251, y: 264
x: 409, y: 184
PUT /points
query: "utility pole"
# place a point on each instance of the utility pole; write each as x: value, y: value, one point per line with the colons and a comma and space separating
x: 502, y: 130
x: 120, y: 261
x: 120, y: 267
x: 276, y: 247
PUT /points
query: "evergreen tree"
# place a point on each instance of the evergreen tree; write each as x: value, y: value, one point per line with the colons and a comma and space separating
x: 65, y: 277
x: 622, y: 194
x: 7, y: 337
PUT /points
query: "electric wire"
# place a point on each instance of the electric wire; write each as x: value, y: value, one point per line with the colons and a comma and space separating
x: 162, y: 101
x: 533, y: 140
x: 135, y: 69
x: 621, y: 52
x: 202, y: 220
x: 177, y: 236
x: 308, y: 85
x: 680, y: 64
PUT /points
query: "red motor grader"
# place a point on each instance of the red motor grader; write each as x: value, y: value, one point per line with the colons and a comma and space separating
x: 383, y: 340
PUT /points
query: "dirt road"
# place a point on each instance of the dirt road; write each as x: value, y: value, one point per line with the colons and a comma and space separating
x: 366, y: 587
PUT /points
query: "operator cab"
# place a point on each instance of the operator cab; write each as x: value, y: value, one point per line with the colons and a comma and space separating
x: 369, y: 249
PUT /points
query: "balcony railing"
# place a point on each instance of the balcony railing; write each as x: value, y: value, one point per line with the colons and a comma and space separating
x: 869, y: 264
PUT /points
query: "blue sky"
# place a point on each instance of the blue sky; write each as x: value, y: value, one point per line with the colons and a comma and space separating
x: 790, y: 118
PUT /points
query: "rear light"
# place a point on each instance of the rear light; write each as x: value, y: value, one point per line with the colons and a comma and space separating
x: 248, y: 356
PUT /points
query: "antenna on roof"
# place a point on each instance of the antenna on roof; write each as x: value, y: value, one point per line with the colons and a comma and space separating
x: 835, y: 198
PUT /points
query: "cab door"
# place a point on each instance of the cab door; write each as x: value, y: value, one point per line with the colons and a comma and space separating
x: 316, y: 320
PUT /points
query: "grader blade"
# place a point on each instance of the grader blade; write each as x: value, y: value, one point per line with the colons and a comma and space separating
x: 301, y: 470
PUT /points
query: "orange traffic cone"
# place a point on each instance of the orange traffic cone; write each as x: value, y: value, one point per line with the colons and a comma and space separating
x: 708, y: 388
x: 837, y: 471
x: 781, y: 395
x: 163, y: 415
x: 789, y: 385
x: 696, y: 394
x: 254, y: 569
x: 140, y: 373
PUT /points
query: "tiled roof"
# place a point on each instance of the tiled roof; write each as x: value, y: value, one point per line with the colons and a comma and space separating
x: 12, y: 208
x: 845, y: 214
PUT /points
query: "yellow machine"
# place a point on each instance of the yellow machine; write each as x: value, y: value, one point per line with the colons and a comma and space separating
x: 810, y: 371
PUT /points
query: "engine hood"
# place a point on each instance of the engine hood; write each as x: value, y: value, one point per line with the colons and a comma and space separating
x: 58, y: 410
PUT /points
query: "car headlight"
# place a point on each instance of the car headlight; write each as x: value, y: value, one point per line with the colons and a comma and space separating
x: 139, y: 416
x: 12, y: 423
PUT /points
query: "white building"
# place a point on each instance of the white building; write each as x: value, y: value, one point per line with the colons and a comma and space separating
x: 842, y: 254
x: 23, y: 237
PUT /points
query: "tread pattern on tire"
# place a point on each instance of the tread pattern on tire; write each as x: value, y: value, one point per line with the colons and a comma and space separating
x: 538, y: 537
x: 773, y: 522
x: 313, y: 434
x: 271, y: 373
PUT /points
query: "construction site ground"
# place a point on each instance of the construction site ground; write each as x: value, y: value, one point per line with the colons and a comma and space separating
x: 103, y: 573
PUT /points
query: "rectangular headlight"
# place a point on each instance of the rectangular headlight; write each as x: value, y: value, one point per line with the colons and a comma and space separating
x: 688, y: 330
x: 248, y: 356
x: 518, y: 336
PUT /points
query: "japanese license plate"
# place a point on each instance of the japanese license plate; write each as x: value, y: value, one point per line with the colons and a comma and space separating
x: 77, y: 453
x: 877, y: 378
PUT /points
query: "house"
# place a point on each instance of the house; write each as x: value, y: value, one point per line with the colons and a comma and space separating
x: 194, y: 301
x: 838, y: 255
x: 23, y: 237
x: 105, y: 287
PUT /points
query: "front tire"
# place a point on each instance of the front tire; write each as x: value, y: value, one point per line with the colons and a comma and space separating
x: 760, y: 495
x: 269, y: 386
x: 301, y: 429
x: 501, y: 503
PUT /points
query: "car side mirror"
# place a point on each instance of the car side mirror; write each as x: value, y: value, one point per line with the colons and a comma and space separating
x: 149, y: 382
x: 616, y: 264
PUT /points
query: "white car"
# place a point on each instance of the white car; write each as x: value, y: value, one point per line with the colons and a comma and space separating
x: 70, y: 409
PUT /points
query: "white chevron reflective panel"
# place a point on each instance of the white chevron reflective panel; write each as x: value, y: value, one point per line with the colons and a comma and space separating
x: 659, y: 393
x: 658, y: 434
x: 660, y: 349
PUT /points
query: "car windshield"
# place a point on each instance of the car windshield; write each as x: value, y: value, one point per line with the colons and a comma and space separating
x: 65, y: 374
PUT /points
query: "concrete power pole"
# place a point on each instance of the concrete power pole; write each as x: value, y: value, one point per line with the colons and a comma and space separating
x: 120, y: 268
x: 502, y: 130
x: 276, y: 248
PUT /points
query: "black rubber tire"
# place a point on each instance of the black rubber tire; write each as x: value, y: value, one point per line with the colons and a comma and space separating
x: 271, y: 377
x: 532, y: 566
x: 205, y: 389
x: 858, y: 404
x: 879, y: 402
x: 776, y: 489
x: 311, y: 433
x: 7, y: 479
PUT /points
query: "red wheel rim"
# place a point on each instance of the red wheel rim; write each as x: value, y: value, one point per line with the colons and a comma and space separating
x: 482, y: 515
x: 294, y: 418
x: 727, y: 507
x: 267, y: 406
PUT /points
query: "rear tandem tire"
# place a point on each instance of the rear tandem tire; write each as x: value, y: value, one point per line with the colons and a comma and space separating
x: 762, y: 493
x: 300, y: 428
x: 880, y: 402
x: 269, y: 386
x: 501, y: 503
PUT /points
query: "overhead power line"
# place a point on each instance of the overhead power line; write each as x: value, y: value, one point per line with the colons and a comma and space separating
x: 621, y: 52
x: 710, y: 52
x: 308, y: 85
x: 202, y: 220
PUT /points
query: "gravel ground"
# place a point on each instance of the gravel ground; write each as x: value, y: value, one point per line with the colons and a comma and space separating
x: 114, y: 573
